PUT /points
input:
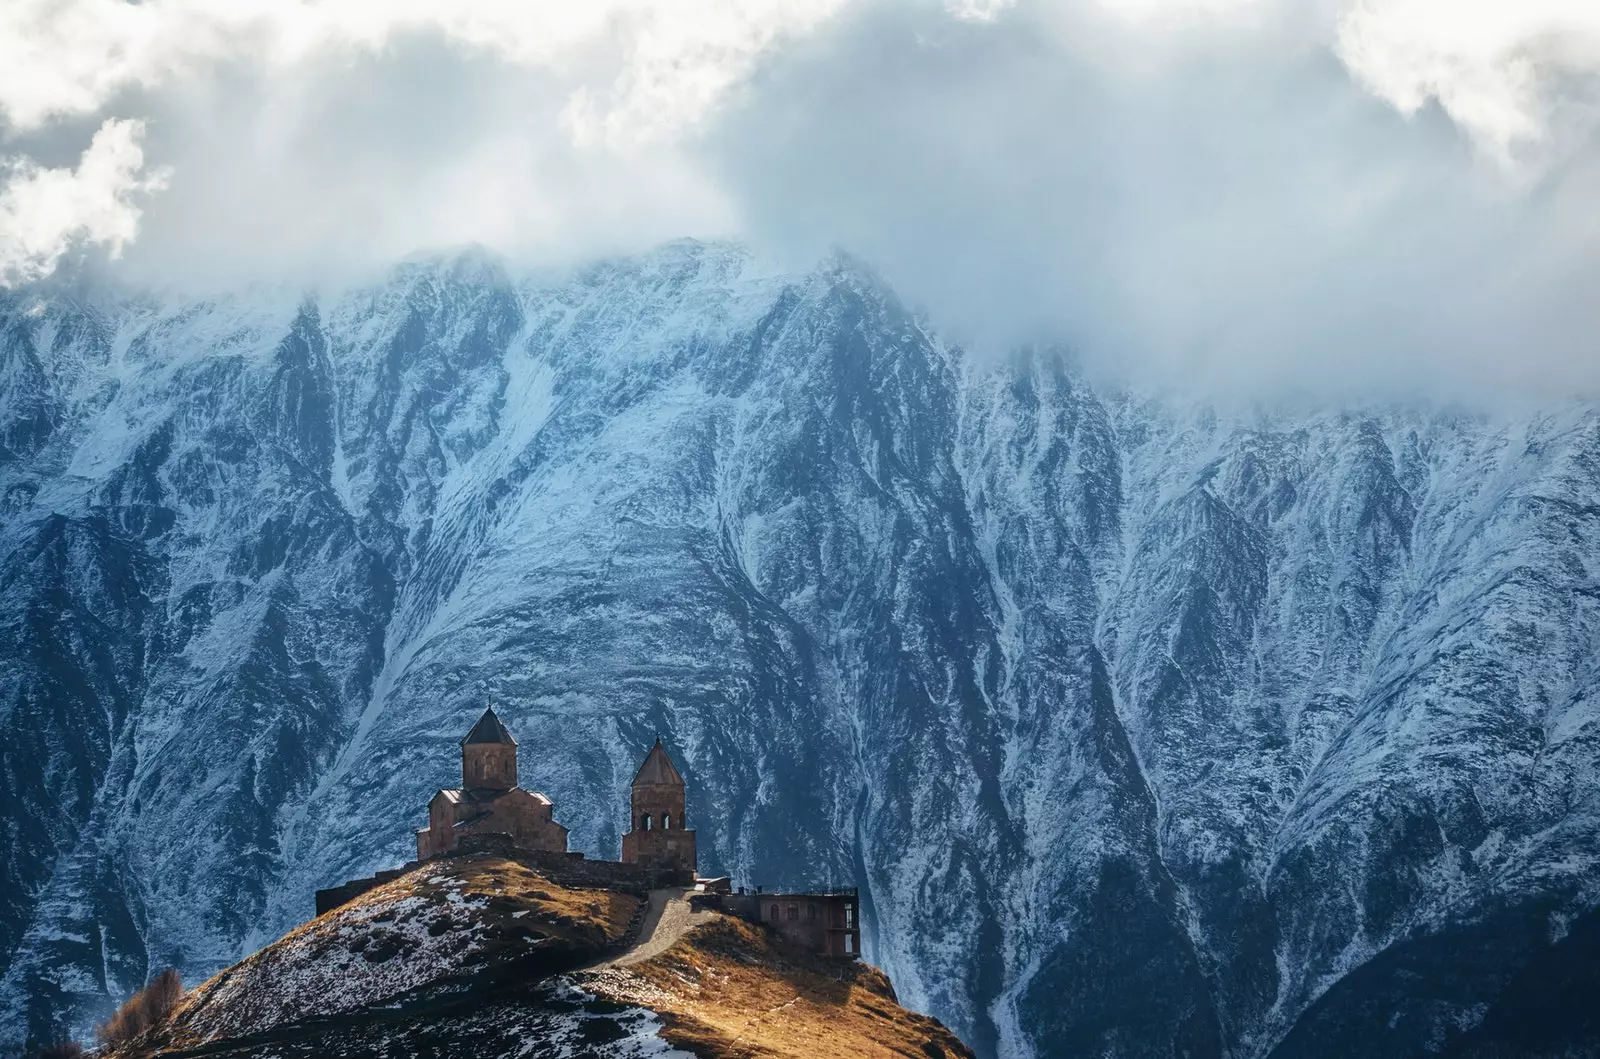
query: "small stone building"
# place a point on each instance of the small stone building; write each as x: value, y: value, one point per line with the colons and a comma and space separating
x: 657, y: 837
x: 489, y: 800
x: 827, y: 921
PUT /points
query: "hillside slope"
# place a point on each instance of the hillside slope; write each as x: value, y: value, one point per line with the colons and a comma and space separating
x: 476, y: 956
x: 728, y: 989
x: 1142, y: 725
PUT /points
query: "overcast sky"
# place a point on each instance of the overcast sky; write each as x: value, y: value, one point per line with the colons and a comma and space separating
x: 1352, y: 195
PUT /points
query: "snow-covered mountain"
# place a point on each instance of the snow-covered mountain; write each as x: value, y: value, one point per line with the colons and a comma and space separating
x: 1147, y: 729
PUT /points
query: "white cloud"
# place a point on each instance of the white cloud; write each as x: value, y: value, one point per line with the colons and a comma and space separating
x: 670, y: 60
x: 570, y: 103
x: 1178, y: 10
x: 45, y: 212
x: 1223, y: 208
x: 1502, y: 69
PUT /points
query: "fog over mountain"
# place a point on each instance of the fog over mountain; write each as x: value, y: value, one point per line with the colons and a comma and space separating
x: 1145, y: 727
x: 1256, y: 197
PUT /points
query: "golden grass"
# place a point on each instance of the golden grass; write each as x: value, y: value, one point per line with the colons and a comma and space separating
x: 736, y: 991
x: 514, y: 887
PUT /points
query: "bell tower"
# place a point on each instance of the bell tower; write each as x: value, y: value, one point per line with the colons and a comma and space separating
x: 489, y: 756
x: 656, y: 835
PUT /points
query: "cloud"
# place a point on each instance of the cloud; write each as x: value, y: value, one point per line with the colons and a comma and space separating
x: 670, y: 61
x: 323, y: 139
x: 1503, y: 70
x: 1213, y: 205
x: 1257, y: 194
x: 45, y: 212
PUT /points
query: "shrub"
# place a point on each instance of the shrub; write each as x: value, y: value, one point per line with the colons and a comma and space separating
x: 142, y: 1012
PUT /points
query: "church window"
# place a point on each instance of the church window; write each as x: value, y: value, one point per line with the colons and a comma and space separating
x: 794, y: 911
x: 666, y: 821
x: 644, y: 822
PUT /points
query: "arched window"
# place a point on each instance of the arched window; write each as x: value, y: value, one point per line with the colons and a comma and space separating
x: 644, y: 822
x: 794, y: 911
x: 774, y: 911
x: 666, y: 821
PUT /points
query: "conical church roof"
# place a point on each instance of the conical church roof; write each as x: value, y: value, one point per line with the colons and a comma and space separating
x: 489, y: 730
x: 658, y: 768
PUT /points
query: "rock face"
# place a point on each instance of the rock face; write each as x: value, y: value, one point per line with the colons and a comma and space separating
x: 1146, y: 728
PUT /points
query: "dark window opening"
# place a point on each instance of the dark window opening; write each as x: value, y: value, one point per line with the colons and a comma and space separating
x: 794, y: 911
x: 644, y: 822
x: 774, y: 911
x: 666, y: 821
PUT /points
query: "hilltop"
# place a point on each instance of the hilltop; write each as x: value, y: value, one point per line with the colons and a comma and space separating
x: 484, y: 955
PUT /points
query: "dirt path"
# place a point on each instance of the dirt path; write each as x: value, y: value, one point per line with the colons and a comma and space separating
x: 668, y: 917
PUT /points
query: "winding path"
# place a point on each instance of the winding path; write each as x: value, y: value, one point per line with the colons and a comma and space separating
x: 668, y: 917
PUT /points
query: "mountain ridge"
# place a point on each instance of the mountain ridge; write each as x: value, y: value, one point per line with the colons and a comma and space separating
x: 1172, y: 716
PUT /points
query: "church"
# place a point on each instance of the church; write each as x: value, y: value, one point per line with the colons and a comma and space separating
x: 489, y: 799
x: 491, y: 813
x: 490, y: 802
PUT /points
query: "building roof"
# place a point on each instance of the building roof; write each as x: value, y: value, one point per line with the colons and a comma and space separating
x: 658, y: 768
x: 484, y: 795
x: 489, y: 730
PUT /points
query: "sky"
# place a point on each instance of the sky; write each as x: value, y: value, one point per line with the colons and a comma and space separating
x: 1362, y: 196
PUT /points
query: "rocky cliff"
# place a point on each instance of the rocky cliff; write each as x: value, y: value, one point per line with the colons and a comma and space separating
x: 1147, y: 728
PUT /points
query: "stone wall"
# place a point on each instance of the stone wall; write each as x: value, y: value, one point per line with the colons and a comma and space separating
x: 524, y: 815
x: 660, y: 848
x: 565, y: 869
x: 574, y: 869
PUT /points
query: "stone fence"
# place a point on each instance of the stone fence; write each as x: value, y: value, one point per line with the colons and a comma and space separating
x: 565, y: 869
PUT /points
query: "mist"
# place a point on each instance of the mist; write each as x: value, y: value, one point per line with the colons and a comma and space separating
x: 1195, y: 207
x: 1260, y: 198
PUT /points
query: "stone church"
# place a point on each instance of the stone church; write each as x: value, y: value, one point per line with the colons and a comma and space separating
x: 489, y: 800
x: 489, y: 812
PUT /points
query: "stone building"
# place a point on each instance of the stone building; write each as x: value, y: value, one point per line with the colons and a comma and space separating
x: 657, y: 837
x: 489, y: 800
x: 827, y: 921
